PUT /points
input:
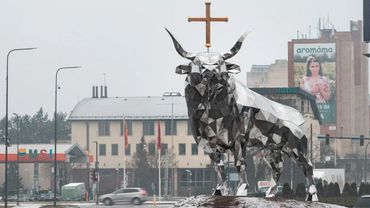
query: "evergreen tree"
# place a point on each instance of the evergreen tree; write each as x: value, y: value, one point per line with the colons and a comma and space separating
x: 13, y: 179
x: 144, y: 176
x: 361, y: 190
x: 353, y: 189
x: 336, y: 191
x: 319, y: 187
x: 346, y: 190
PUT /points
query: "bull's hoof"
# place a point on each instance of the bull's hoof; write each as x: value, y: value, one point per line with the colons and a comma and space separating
x: 311, y: 194
x: 242, y: 190
x: 217, y: 193
x: 271, y: 192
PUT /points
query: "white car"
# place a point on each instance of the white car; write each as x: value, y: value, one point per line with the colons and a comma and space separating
x: 133, y: 195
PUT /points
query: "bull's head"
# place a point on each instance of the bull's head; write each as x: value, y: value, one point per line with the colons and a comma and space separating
x: 207, y: 62
x: 208, y: 72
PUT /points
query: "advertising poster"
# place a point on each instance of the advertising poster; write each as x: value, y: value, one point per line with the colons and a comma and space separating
x: 314, y: 72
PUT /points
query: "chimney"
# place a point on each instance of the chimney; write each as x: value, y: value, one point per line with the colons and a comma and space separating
x: 93, y: 92
x: 96, y: 91
x: 105, y: 92
x: 101, y: 91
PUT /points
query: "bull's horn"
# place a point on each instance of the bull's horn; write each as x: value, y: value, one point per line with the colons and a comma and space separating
x: 179, y: 49
x: 235, y: 49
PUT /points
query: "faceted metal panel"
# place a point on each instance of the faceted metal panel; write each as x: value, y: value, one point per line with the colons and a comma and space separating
x: 227, y: 116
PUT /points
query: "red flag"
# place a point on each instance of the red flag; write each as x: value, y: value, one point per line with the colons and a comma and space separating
x: 126, y: 135
x: 159, y: 136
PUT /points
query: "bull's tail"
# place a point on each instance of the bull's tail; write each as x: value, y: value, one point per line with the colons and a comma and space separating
x: 303, y: 146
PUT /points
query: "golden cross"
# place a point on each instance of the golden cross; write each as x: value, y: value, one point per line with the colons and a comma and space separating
x: 208, y: 19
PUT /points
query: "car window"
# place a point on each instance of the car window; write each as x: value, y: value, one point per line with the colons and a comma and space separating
x: 131, y: 190
x: 120, y: 191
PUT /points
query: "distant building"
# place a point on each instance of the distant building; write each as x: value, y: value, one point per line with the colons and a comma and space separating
x: 274, y: 75
x: 346, y: 113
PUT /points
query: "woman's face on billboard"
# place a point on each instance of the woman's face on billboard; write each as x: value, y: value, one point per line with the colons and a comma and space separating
x: 314, y: 67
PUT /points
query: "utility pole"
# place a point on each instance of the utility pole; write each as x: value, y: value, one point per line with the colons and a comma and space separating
x: 97, y: 171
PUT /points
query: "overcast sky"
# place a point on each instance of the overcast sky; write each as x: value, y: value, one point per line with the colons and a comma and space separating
x: 126, y: 40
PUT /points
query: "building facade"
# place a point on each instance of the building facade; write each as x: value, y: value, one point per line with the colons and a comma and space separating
x: 348, y: 78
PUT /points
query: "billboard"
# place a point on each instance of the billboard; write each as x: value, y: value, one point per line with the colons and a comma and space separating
x: 314, y: 72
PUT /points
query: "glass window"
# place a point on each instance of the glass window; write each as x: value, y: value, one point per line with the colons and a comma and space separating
x: 129, y: 127
x: 114, y: 149
x: 102, y: 150
x: 182, y: 149
x: 190, y: 131
x: 104, y: 129
x: 152, y: 147
x: 148, y: 127
x: 128, y: 150
x: 163, y: 148
x: 194, y: 149
x: 168, y: 124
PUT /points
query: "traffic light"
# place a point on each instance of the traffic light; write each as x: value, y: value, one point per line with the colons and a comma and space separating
x: 327, y: 137
x: 93, y: 175
x: 361, y: 140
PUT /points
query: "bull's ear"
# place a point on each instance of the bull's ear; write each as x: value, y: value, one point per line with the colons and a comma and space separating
x: 232, y: 68
x: 183, y: 69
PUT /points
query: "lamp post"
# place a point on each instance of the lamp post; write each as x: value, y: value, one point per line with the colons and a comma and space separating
x: 17, y: 175
x: 97, y: 172
x: 189, y: 187
x: 55, y: 128
x: 366, y: 159
x: 6, y: 121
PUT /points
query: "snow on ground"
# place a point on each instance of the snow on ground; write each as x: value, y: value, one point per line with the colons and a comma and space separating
x: 250, y: 202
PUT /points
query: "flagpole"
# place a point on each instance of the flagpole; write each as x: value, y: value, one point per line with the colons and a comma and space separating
x: 159, y: 175
x: 124, y: 152
x: 159, y: 160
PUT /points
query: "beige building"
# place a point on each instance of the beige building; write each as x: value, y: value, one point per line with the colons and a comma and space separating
x: 273, y: 75
x: 101, y: 120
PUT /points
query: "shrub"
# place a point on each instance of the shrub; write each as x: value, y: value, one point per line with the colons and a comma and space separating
x: 286, y: 192
x: 346, y: 190
x: 300, y: 190
x: 353, y: 189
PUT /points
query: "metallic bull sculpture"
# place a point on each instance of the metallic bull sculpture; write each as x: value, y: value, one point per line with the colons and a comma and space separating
x: 227, y: 116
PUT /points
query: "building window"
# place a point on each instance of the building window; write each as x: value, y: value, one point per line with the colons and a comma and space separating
x: 102, y: 150
x: 148, y: 127
x: 104, y: 128
x: 129, y: 127
x: 163, y: 148
x: 114, y: 149
x: 190, y: 131
x: 194, y: 149
x: 152, y: 148
x: 182, y: 149
x: 168, y: 124
x: 128, y: 150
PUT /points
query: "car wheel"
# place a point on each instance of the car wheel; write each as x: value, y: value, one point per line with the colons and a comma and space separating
x: 108, y: 201
x: 136, y: 201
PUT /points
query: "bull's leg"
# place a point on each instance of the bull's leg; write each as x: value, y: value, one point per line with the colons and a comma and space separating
x: 306, y: 165
x: 239, y: 155
x: 221, y: 188
x: 275, y: 161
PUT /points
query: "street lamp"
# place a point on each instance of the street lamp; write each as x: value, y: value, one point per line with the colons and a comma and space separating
x: 6, y: 121
x: 189, y: 187
x: 366, y: 159
x: 97, y: 172
x: 55, y: 128
x: 17, y: 177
